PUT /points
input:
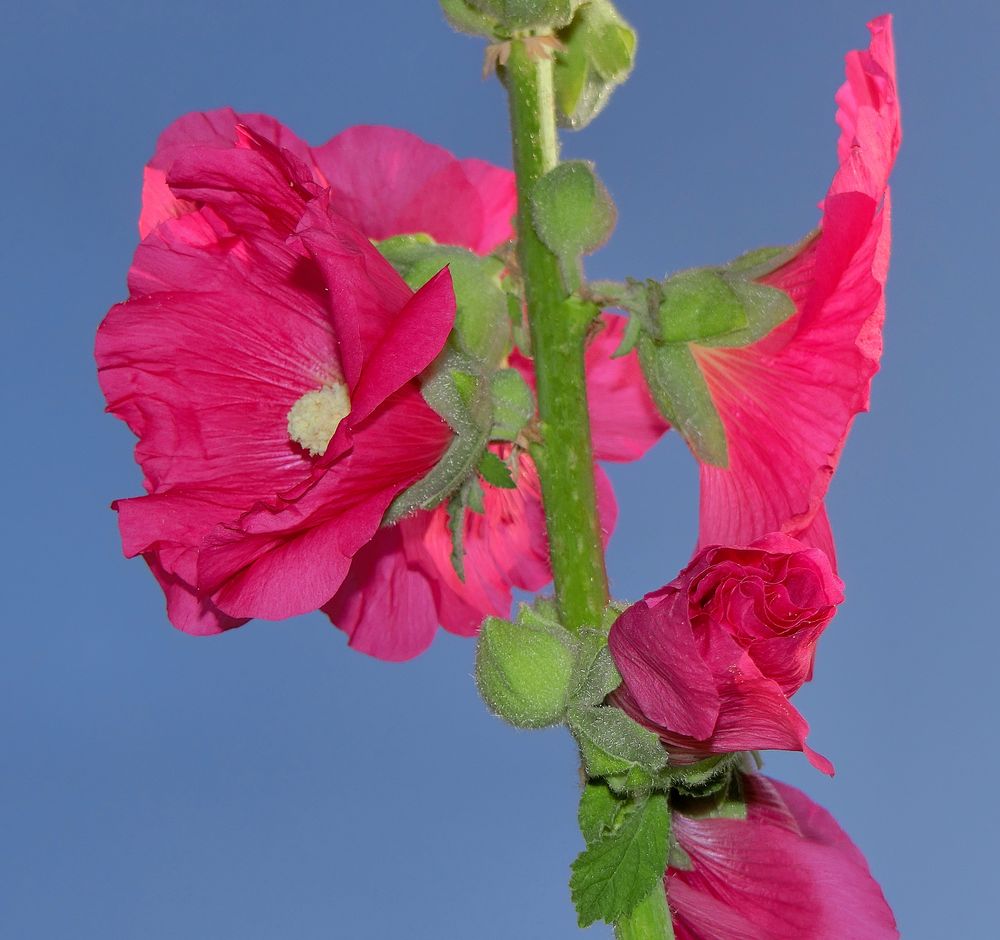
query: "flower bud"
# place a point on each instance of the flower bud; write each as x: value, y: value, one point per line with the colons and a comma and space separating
x: 523, y: 670
x: 527, y: 14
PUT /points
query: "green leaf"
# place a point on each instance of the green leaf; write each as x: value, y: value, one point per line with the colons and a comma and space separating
x: 495, y: 472
x: 698, y: 304
x: 594, y: 673
x: 599, y: 809
x: 681, y: 394
x: 612, y: 744
x: 513, y: 405
x: 571, y: 210
x: 613, y: 875
x: 523, y: 671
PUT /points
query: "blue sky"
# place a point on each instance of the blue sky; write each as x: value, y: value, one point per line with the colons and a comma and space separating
x: 273, y: 783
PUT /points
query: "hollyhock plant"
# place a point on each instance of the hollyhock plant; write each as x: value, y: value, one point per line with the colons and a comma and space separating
x: 785, y: 872
x: 787, y: 401
x: 371, y: 378
x: 710, y: 661
x: 267, y: 363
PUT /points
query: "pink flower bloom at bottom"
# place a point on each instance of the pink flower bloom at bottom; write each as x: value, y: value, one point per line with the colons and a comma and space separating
x: 786, y: 872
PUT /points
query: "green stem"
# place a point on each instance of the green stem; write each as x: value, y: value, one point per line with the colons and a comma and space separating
x: 649, y: 921
x: 558, y: 334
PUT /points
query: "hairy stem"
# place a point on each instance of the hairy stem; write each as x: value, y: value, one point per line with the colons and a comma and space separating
x: 558, y: 333
x: 649, y: 921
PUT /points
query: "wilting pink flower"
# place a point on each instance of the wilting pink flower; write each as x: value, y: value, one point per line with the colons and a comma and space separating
x: 788, y: 400
x: 709, y: 661
x: 401, y: 584
x: 267, y: 363
x: 786, y: 872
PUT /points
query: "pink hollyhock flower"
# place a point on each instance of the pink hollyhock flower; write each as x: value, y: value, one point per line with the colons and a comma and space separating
x: 710, y: 661
x: 401, y: 584
x: 788, y: 400
x: 786, y: 872
x: 267, y: 363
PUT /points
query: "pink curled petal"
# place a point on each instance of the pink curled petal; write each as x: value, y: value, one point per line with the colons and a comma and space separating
x: 787, y: 401
x: 780, y: 874
x: 385, y: 604
x: 363, y: 291
x: 655, y: 652
x: 203, y: 129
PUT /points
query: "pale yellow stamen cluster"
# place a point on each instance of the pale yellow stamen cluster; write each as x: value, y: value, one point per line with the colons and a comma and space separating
x: 315, y: 417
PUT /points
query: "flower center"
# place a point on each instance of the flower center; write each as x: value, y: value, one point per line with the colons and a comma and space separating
x: 315, y: 417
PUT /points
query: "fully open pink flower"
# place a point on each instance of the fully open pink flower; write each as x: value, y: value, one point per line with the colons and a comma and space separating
x: 267, y: 363
x: 388, y: 182
x: 709, y: 661
x: 786, y: 872
x: 788, y: 400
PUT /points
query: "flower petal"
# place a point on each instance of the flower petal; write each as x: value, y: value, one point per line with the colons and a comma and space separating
x: 787, y: 401
x: 771, y: 877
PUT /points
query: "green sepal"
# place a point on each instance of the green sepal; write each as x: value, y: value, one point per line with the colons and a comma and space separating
x: 599, y: 811
x: 523, y: 670
x: 456, y: 529
x: 697, y: 305
x: 725, y: 802
x: 597, y: 56
x: 594, y: 673
x: 612, y: 745
x: 614, y: 874
x: 764, y: 309
x: 466, y: 18
x: 760, y: 262
x: 572, y: 211
x: 527, y: 14
x: 678, y: 858
x: 463, y: 399
x: 483, y: 329
x: 630, y: 339
x: 513, y: 405
x: 682, y: 396
x: 495, y: 472
x: 703, y: 778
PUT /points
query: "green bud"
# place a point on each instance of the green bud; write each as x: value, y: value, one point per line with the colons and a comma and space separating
x: 513, y: 405
x: 597, y: 55
x: 462, y: 397
x: 523, y: 671
x: 482, y: 322
x: 698, y: 304
x: 526, y: 14
x: 466, y: 18
x: 682, y: 396
x: 572, y: 211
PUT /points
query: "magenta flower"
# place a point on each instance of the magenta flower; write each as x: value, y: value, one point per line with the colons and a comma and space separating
x: 788, y: 400
x: 401, y: 583
x: 267, y: 363
x: 786, y: 872
x: 710, y: 661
